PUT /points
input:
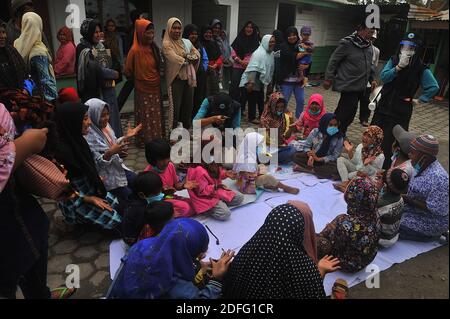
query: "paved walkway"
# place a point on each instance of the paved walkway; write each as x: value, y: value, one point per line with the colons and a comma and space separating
x: 89, y: 248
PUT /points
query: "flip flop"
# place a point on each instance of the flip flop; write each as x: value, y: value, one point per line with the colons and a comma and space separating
x: 64, y: 292
x: 340, y: 289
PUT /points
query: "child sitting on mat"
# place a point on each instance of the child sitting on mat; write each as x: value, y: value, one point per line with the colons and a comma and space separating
x: 210, y: 195
x: 390, y: 205
x: 250, y: 174
x: 147, y: 214
x: 157, y: 153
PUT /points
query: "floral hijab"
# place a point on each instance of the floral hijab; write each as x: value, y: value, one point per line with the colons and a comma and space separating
x: 376, y: 135
x: 361, y: 197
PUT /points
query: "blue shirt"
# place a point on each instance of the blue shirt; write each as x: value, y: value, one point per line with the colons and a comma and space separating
x: 428, y: 83
x: 203, y: 113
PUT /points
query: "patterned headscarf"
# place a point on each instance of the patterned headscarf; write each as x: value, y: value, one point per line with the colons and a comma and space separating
x: 361, y: 197
x: 7, y: 147
x: 273, y: 264
x: 269, y: 119
x: 376, y: 135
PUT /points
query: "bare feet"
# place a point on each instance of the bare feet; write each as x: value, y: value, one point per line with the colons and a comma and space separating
x: 289, y: 189
x: 302, y: 169
x: 341, y: 187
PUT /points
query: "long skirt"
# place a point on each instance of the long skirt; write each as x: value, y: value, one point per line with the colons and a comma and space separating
x: 147, y: 109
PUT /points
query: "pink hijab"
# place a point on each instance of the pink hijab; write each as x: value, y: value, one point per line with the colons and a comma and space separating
x: 309, y: 121
x: 309, y: 239
x: 7, y: 146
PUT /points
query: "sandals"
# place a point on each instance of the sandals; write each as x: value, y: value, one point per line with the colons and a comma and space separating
x: 62, y: 292
x: 340, y: 289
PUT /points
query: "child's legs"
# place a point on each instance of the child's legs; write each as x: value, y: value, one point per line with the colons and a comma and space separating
x: 299, y: 99
x: 237, y: 199
x: 181, y: 208
x: 344, y: 167
x: 220, y: 211
x: 285, y: 154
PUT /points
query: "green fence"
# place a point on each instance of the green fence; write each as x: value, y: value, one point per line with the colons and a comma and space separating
x: 320, y: 58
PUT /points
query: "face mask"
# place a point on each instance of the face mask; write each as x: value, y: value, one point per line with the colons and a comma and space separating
x: 382, y: 191
x: 156, y: 198
x: 332, y: 130
x: 314, y: 113
x: 157, y: 170
x: 417, y: 168
x: 279, y: 113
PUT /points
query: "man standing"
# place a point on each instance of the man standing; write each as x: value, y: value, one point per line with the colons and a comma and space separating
x: 402, y: 76
x: 364, y: 112
x: 349, y: 70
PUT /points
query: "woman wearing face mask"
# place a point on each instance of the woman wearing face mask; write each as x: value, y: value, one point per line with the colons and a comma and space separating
x: 276, y: 116
x: 425, y: 216
x: 366, y: 160
x: 402, y: 76
x: 321, y: 149
x: 258, y: 75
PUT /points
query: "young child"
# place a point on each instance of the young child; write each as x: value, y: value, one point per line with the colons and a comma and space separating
x: 390, y: 205
x: 210, y: 195
x: 146, y: 209
x: 250, y: 174
x: 157, y: 153
x: 309, y: 119
x: 305, y: 46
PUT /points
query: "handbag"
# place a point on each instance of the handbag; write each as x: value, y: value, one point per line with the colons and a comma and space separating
x: 43, y: 178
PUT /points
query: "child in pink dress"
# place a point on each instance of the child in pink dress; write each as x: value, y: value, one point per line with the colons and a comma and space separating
x: 309, y: 119
x: 210, y: 195
x: 157, y: 153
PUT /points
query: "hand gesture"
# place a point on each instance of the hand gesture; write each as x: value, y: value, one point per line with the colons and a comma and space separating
x: 219, y: 119
x: 328, y: 264
x: 132, y: 132
x: 369, y: 160
x: 119, y: 148
x: 190, y: 185
x: 348, y: 146
x: 231, y: 175
x: 220, y: 267
x: 373, y: 85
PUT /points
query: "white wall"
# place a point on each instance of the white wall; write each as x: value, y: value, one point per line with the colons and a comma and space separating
x: 163, y: 10
x: 261, y: 12
x: 328, y: 25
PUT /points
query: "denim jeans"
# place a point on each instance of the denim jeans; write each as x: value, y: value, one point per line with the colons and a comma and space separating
x: 299, y: 92
x: 285, y: 154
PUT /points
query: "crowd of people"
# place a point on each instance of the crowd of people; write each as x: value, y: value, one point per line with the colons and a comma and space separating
x: 393, y: 184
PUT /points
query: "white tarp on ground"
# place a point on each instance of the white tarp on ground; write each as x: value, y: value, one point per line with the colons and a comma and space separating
x: 325, y: 202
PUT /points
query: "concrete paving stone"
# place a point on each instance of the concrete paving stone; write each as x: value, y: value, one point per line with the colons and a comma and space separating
x: 86, y: 271
x: 49, y: 207
x: 98, y: 278
x: 90, y: 238
x: 55, y: 281
x: 57, y: 264
x: 102, y: 261
x: 104, y: 246
x: 65, y: 247
x: 86, y: 253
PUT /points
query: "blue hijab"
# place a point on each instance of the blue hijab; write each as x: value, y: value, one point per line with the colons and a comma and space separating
x: 323, y: 125
x: 153, y: 265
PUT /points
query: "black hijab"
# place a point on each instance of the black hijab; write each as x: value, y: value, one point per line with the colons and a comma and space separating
x: 244, y: 44
x: 73, y: 151
x: 279, y: 39
x: 211, y: 46
x: 273, y: 264
x: 288, y: 55
x: 323, y: 125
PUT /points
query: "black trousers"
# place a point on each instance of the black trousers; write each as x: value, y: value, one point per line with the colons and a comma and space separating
x: 238, y: 94
x: 347, y: 108
x: 255, y: 99
x: 387, y: 123
x: 364, y: 112
x: 127, y: 88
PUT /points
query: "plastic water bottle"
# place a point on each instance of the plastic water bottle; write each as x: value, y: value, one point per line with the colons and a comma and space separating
x: 372, y: 106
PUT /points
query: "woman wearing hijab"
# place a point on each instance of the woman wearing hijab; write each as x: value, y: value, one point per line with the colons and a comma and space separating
x: 91, y: 203
x: 214, y: 53
x: 243, y: 47
x: 276, y: 116
x: 258, y: 75
x: 162, y: 267
x: 227, y: 61
x: 425, y: 216
x: 288, y: 77
x: 182, y: 61
x: 113, y: 40
x: 36, y: 54
x: 366, y: 160
x: 107, y: 150
x: 143, y: 66
x: 275, y: 264
x: 353, y: 237
x: 95, y: 76
x: 318, y: 154
x: 65, y: 56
